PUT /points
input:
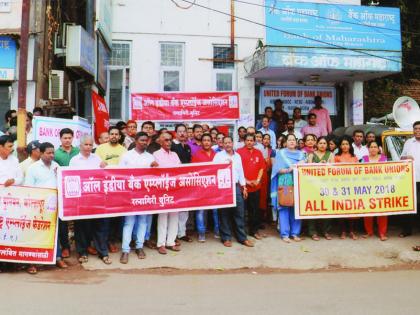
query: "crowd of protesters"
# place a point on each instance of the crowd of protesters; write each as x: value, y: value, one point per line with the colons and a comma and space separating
x: 263, y: 159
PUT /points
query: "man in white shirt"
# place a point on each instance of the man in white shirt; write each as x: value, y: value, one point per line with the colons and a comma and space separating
x: 87, y: 229
x: 43, y: 174
x: 411, y: 151
x: 10, y: 172
x: 136, y: 224
x: 291, y: 130
x: 266, y: 130
x: 360, y: 150
x: 238, y: 212
x: 299, y: 121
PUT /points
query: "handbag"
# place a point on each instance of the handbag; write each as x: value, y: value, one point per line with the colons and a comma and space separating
x: 286, y: 196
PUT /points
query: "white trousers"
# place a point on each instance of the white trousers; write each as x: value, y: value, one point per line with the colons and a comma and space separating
x: 167, y: 229
x: 182, y: 223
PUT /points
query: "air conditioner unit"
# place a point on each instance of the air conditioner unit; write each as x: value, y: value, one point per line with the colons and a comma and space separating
x: 60, y: 40
x: 56, y: 85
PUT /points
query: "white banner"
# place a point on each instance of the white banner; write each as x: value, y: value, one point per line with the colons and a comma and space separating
x: 47, y: 129
x: 297, y: 96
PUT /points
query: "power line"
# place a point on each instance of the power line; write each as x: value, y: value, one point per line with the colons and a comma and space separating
x: 298, y: 35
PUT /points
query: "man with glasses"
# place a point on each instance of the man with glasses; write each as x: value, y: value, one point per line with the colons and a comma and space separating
x: 167, y: 222
x: 131, y: 133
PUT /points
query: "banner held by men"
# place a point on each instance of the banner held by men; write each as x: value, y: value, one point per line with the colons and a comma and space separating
x: 354, y: 190
x: 28, y: 224
x: 120, y: 192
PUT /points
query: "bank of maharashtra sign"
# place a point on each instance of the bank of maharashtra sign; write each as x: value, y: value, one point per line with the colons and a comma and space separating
x: 354, y: 190
x: 185, y: 106
x: 348, y: 26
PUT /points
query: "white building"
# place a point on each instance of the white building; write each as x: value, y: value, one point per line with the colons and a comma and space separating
x: 158, y: 47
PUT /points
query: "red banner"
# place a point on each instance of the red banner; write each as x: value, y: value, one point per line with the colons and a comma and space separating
x: 185, y: 106
x: 101, y: 115
x: 118, y: 192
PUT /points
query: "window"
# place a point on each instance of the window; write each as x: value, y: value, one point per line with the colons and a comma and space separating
x: 171, y: 66
x: 119, y: 81
x: 224, y: 71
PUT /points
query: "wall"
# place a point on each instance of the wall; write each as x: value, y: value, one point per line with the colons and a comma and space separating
x: 147, y: 23
x: 11, y: 20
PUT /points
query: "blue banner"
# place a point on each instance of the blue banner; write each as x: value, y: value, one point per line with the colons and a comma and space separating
x: 326, y: 25
x: 7, y: 58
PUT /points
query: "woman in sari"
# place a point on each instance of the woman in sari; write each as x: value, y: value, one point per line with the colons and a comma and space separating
x: 346, y: 155
x: 320, y: 155
x: 282, y: 176
x: 310, y: 143
x: 375, y: 157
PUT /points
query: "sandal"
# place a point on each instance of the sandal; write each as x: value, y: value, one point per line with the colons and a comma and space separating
x: 83, y: 259
x: 367, y: 235
x: 315, y: 237
x: 106, y: 260
x: 296, y: 238
x: 286, y: 239
x: 328, y: 237
x: 32, y: 270
x: 353, y: 236
x: 383, y: 238
x: 416, y: 248
x: 343, y: 235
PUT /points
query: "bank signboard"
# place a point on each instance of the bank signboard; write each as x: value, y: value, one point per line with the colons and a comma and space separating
x: 323, y: 25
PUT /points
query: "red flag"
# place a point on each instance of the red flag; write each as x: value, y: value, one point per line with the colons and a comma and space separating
x: 101, y: 114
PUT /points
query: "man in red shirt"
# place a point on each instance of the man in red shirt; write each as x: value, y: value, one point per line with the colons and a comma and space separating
x: 253, y: 165
x: 205, y: 154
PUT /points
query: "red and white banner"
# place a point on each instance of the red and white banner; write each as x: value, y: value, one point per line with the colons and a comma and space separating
x: 28, y: 224
x: 185, y: 106
x: 115, y: 192
x: 101, y: 115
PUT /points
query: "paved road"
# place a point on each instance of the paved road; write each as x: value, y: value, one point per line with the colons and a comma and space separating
x: 113, y: 292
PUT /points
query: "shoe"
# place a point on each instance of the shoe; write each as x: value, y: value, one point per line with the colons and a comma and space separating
x: 201, y: 238
x: 285, y: 239
x: 186, y: 239
x: 92, y: 251
x: 124, y: 258
x: 227, y: 243
x: 177, y: 242
x: 112, y: 248
x: 150, y: 244
x: 61, y: 264
x: 140, y: 253
x: 65, y: 253
x: 32, y: 270
x: 83, y: 259
x: 296, y: 238
x: 162, y: 250
x: 216, y: 235
x: 173, y: 248
x: 106, y: 260
x: 248, y: 243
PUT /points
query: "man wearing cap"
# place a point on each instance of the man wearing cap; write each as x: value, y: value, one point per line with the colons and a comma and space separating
x: 34, y: 154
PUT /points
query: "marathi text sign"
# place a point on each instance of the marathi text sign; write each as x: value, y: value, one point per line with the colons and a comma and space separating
x: 119, y: 192
x: 354, y: 190
x: 28, y: 224
x: 321, y: 25
x: 185, y: 106
x: 297, y: 96
x: 47, y: 129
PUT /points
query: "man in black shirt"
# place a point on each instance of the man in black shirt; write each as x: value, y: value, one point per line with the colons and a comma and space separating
x: 183, y: 150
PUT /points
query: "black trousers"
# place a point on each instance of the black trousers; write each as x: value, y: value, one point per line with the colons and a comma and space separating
x: 411, y: 220
x: 253, y: 211
x: 63, y: 234
x: 85, y: 230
